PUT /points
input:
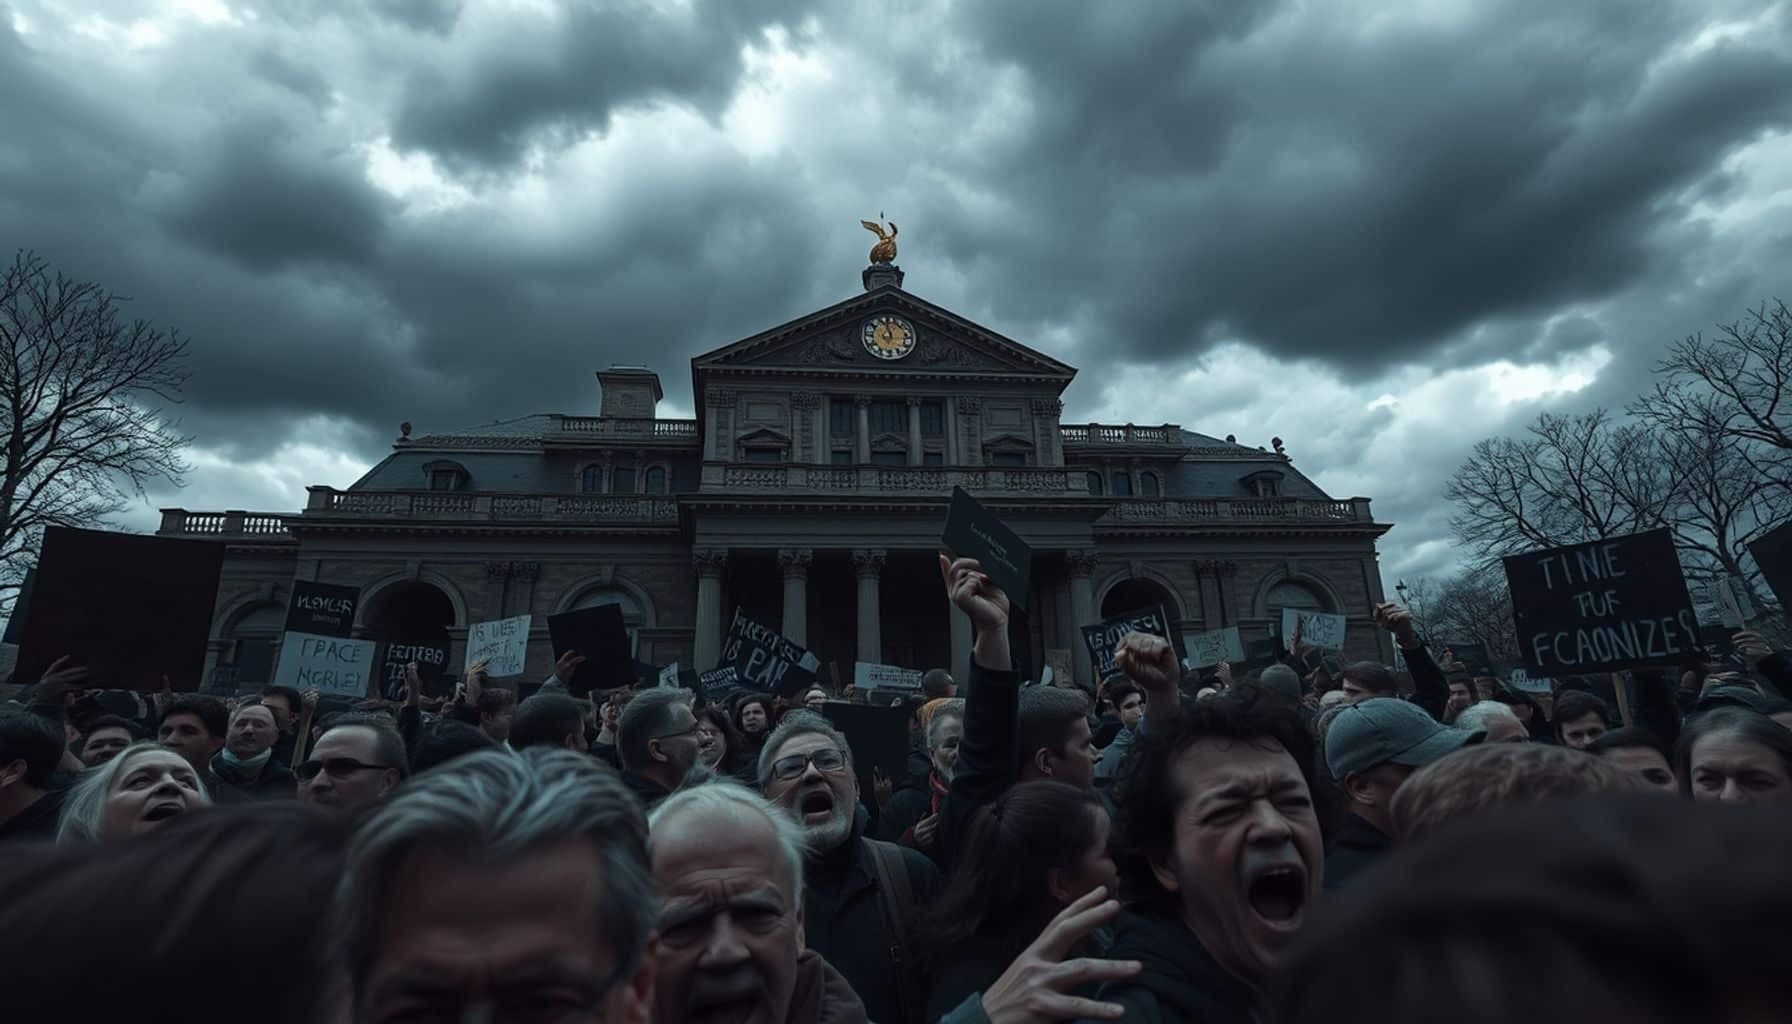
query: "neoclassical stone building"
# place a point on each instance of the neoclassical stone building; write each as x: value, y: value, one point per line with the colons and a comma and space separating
x: 809, y: 491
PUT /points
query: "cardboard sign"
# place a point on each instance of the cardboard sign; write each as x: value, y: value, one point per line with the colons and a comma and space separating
x: 1524, y: 682
x: 1062, y: 662
x: 1215, y: 646
x: 669, y: 675
x: 322, y: 609
x: 1103, y: 637
x: 878, y: 737
x: 601, y: 637
x: 972, y: 531
x: 1772, y: 552
x: 1316, y: 629
x: 131, y: 608
x: 1601, y: 606
x: 333, y: 666
x: 718, y: 685
x: 763, y: 659
x: 1730, y: 598
x: 432, y: 667
x: 867, y: 676
x: 503, y: 645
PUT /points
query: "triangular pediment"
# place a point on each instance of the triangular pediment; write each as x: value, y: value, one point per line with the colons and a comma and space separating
x: 833, y: 339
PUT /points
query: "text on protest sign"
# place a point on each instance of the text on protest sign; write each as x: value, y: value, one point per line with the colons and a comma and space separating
x: 432, y: 665
x: 1730, y: 598
x: 1601, y: 606
x: 1215, y: 646
x: 867, y: 676
x: 669, y: 675
x: 333, y: 666
x: 973, y: 531
x: 1103, y: 637
x: 322, y: 609
x: 1315, y: 629
x: 764, y: 659
x: 717, y: 685
x: 503, y: 645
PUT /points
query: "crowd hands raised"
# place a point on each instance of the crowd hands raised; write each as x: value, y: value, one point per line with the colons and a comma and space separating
x: 1305, y: 842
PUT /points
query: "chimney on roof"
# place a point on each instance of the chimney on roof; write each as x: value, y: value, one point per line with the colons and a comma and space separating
x: 629, y: 392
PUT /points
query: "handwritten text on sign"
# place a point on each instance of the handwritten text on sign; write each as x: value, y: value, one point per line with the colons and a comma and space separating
x: 1215, y: 646
x: 503, y: 645
x: 1316, y: 629
x: 867, y: 676
x: 331, y: 665
x: 765, y: 659
x: 1601, y: 606
x: 1103, y: 637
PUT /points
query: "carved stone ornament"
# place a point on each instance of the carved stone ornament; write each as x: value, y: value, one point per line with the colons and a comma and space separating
x: 868, y: 562
x: 804, y: 401
x: 1080, y: 563
x: 970, y: 406
x: 526, y: 572
x: 795, y: 561
x: 1047, y: 407
x: 497, y: 570
x: 710, y: 561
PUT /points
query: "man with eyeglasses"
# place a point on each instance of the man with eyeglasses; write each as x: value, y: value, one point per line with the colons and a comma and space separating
x: 656, y: 738
x: 352, y: 766
x: 857, y: 891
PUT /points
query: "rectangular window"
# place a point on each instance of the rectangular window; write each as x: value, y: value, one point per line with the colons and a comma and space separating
x: 1008, y: 460
x: 933, y: 458
x: 889, y: 417
x: 841, y: 457
x: 842, y: 417
x: 443, y: 480
x: 765, y: 455
x: 933, y: 418
x: 889, y: 458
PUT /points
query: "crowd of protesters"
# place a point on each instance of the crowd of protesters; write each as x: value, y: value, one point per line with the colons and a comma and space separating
x: 1307, y: 841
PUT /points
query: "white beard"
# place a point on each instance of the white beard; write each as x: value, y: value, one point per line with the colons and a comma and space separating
x: 836, y: 831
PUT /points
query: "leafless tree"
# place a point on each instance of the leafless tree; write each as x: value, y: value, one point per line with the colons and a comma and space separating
x: 1474, y: 606
x: 1740, y: 381
x: 82, y: 397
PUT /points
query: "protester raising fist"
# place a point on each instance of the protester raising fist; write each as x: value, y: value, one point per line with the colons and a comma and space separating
x: 1036, y: 986
x: 975, y: 594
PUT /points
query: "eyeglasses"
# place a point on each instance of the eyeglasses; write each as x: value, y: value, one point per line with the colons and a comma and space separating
x: 682, y: 732
x: 336, y: 768
x: 826, y: 759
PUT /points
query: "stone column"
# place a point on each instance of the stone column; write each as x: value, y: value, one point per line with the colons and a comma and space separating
x: 914, y: 431
x: 712, y: 425
x: 863, y: 441
x: 868, y: 567
x: 708, y: 646
x: 795, y: 563
x: 1082, y: 609
x: 953, y: 442
x: 802, y: 404
x: 824, y: 439
x: 961, y: 644
x: 971, y: 429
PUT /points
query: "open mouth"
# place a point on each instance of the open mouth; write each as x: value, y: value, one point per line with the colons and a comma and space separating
x: 729, y: 1011
x: 816, y: 806
x: 162, y: 811
x: 1278, y: 895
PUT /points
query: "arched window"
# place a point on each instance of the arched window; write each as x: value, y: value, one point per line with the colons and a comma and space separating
x: 632, y: 614
x: 1123, y: 484
x: 1148, y: 487
x: 1289, y: 594
x: 1095, y: 486
x: 591, y: 479
x: 656, y: 480
x: 622, y: 480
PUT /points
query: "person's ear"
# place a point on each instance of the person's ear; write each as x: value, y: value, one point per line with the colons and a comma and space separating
x: 631, y: 1002
x: 1054, y: 884
x: 392, y: 781
x: 571, y: 742
x: 1042, y: 762
x: 1160, y: 869
x: 12, y: 772
x: 1359, y: 790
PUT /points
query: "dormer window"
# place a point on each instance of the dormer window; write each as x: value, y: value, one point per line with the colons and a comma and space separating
x: 1264, y: 484
x: 445, y: 476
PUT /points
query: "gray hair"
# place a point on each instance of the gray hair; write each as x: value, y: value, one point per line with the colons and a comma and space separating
x: 1476, y: 716
x: 647, y: 715
x: 79, y: 821
x: 497, y: 805
x: 953, y: 708
x: 793, y: 842
x: 794, y: 724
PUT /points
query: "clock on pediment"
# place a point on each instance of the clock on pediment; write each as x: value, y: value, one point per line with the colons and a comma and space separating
x: 889, y: 337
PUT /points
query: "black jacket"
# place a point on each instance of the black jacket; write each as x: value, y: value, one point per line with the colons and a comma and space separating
x: 37, y: 823
x: 987, y: 762
x: 649, y: 792
x: 275, y: 782
x: 844, y: 922
x: 1178, y: 982
x: 1355, y: 845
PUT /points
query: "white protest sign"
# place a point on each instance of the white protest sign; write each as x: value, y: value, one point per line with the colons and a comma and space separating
x: 669, y: 675
x: 1317, y: 629
x: 1734, y: 608
x: 333, y: 666
x: 503, y: 645
x: 1214, y: 646
x: 1045, y: 676
x: 1523, y: 683
x: 867, y: 676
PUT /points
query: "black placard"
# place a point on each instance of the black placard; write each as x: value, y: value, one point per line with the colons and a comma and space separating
x: 1772, y: 551
x: 322, y: 609
x: 131, y: 608
x: 717, y: 686
x: 1103, y: 637
x: 878, y: 738
x: 1474, y: 658
x: 1261, y: 654
x: 973, y: 531
x: 764, y: 659
x: 431, y: 657
x: 1601, y: 606
x: 601, y: 637
x: 1719, y: 645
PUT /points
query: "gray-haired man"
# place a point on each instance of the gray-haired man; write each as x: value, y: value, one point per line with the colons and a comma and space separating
x: 504, y: 886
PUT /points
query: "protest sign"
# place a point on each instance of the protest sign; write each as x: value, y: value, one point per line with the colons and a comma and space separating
x: 1720, y: 645
x: 1062, y: 662
x: 1313, y: 629
x: 329, y: 664
x: 1524, y: 682
x: 502, y: 644
x: 718, y: 685
x: 763, y: 659
x: 867, y: 676
x: 1601, y: 606
x: 973, y: 531
x: 1103, y: 637
x: 432, y: 666
x: 878, y: 737
x: 133, y: 609
x: 669, y: 675
x: 1772, y: 552
x: 322, y: 609
x: 599, y: 635
x: 1215, y: 646
x: 1730, y: 598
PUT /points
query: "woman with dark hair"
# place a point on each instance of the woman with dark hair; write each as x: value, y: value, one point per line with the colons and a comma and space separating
x: 220, y: 917
x: 719, y: 746
x: 1736, y: 756
x: 1026, y: 857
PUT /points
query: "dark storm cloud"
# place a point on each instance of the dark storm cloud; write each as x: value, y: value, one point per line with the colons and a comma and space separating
x: 541, y: 79
x: 424, y: 15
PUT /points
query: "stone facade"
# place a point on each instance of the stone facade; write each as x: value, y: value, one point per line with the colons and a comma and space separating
x: 809, y: 492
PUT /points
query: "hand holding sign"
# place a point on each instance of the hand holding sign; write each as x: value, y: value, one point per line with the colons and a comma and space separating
x: 1398, y: 621
x: 1752, y: 648
x: 975, y: 594
x: 566, y: 665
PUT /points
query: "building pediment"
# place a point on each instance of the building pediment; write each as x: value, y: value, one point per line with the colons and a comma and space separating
x: 886, y: 331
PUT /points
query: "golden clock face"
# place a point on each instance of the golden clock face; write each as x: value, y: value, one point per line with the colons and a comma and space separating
x: 889, y: 337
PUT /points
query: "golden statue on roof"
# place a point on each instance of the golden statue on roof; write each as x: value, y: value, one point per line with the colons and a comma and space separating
x: 885, y: 249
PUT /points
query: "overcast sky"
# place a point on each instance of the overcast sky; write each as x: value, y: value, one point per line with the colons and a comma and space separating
x: 1379, y: 230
